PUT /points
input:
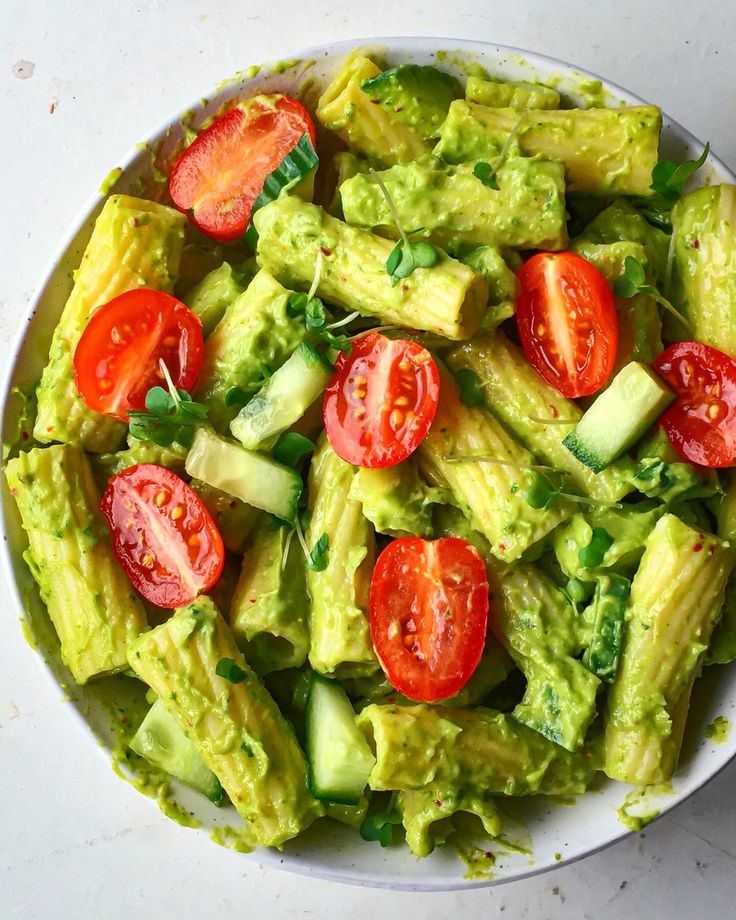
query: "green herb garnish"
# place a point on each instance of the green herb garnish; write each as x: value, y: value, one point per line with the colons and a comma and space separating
x: 380, y: 826
x: 471, y: 387
x: 318, y: 557
x: 541, y: 494
x: 633, y: 281
x: 230, y: 670
x: 169, y: 416
x: 315, y: 315
x: 291, y: 448
x: 669, y: 179
x: 592, y: 555
x: 406, y: 256
x: 486, y: 173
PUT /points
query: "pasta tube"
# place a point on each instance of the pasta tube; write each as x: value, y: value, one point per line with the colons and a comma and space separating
x: 676, y: 599
x: 491, y: 490
x: 269, y: 610
x: 605, y: 151
x: 90, y: 602
x: 532, y: 410
x: 134, y: 244
x: 233, y: 722
x: 340, y: 634
x: 448, y: 299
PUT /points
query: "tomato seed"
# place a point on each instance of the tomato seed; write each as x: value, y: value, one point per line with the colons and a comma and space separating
x: 161, y: 498
x: 176, y: 512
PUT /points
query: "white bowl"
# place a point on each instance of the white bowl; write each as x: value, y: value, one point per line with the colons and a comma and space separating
x: 558, y: 833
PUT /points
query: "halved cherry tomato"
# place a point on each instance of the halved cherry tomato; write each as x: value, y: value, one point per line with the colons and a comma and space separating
x: 381, y: 401
x: 568, y: 323
x: 162, y: 534
x: 117, y: 358
x: 429, y: 613
x: 222, y: 172
x: 701, y: 425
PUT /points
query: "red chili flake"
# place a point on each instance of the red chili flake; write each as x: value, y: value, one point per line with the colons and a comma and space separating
x: 391, y: 699
x: 376, y: 101
x: 52, y: 107
x: 25, y: 436
x: 554, y: 411
x: 502, y: 547
x: 437, y: 803
x: 696, y: 244
x: 697, y: 547
x: 489, y: 855
x: 325, y: 251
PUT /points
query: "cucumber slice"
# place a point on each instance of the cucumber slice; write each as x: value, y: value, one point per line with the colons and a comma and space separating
x: 162, y: 742
x: 253, y: 478
x: 340, y: 759
x: 619, y: 417
x: 296, y: 166
x: 283, y: 399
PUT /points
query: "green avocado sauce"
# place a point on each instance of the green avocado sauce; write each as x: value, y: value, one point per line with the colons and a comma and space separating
x: 233, y: 838
x: 718, y: 730
x: 109, y: 181
x: 638, y: 809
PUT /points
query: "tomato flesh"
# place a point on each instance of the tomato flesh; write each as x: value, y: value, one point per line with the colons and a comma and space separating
x: 567, y: 321
x: 701, y: 424
x: 116, y: 361
x: 162, y: 534
x: 382, y: 400
x: 219, y: 176
x: 429, y: 613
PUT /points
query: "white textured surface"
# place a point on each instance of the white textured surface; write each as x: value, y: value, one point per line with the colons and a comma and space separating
x: 77, y: 842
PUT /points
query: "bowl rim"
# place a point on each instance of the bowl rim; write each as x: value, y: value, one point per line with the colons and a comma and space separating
x: 407, y: 44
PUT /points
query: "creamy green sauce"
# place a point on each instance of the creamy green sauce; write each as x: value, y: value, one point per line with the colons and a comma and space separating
x: 638, y: 809
x: 233, y: 838
x: 282, y: 66
x: 109, y: 181
x: 462, y: 62
x: 479, y: 862
x: 718, y: 730
x: 239, y: 77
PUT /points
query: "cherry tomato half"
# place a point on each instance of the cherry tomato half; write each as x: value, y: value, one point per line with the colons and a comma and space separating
x: 701, y: 425
x: 222, y: 172
x: 567, y: 321
x: 429, y: 613
x: 162, y: 534
x: 117, y: 358
x: 381, y: 401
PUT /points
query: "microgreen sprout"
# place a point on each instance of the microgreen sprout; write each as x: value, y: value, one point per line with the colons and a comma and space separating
x: 633, y: 281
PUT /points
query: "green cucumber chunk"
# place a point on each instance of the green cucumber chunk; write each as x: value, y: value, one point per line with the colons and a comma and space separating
x: 161, y: 741
x: 607, y: 613
x: 293, y: 169
x: 254, y: 478
x: 619, y: 417
x: 340, y: 759
x: 283, y: 399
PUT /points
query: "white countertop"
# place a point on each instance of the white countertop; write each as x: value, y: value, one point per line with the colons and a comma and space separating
x: 80, y: 82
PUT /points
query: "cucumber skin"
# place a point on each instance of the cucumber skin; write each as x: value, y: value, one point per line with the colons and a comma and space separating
x: 584, y: 454
x: 297, y: 164
x: 149, y: 729
x: 328, y: 686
